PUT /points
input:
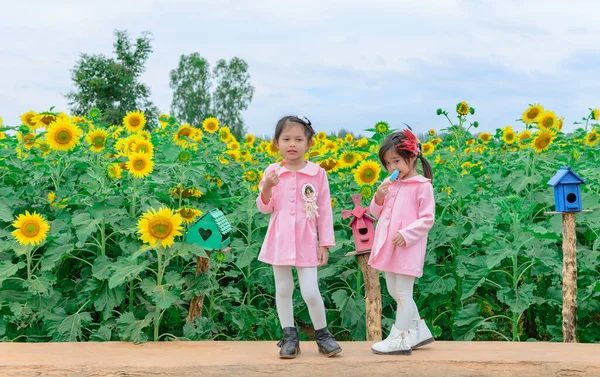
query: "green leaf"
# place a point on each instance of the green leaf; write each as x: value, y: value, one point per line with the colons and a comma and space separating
x: 125, y: 270
x: 8, y: 269
x: 497, y: 252
x: 465, y: 186
x: 474, y: 272
x: 85, y: 226
x: 517, y: 301
x: 101, y: 334
x: 70, y: 327
x: 132, y: 329
x: 55, y: 252
x: 105, y: 298
x: 101, y: 268
x: 520, y: 184
x: 347, y: 307
x: 40, y: 284
x: 200, y: 329
x: 433, y: 284
x: 6, y: 213
x: 467, y: 322
x: 245, y: 256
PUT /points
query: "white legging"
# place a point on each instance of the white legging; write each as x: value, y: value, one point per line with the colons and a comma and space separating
x: 309, y: 287
x: 400, y: 288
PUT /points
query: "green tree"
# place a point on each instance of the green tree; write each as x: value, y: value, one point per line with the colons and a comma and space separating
x: 191, y: 83
x: 233, y: 93
x: 113, y: 84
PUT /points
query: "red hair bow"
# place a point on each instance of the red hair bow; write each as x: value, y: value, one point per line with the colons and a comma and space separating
x: 410, y: 143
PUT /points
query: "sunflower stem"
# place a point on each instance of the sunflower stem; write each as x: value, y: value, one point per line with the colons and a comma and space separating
x: 133, y: 199
x: 29, y: 257
x: 103, y: 236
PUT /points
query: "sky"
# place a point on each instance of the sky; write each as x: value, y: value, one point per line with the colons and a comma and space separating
x: 343, y: 64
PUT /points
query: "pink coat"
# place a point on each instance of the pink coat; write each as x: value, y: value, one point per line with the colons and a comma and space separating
x: 292, y: 239
x: 408, y: 208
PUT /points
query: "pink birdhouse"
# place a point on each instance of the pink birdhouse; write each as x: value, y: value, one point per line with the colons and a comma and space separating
x: 362, y: 225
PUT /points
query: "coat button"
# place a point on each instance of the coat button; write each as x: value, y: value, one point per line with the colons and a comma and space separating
x: 292, y: 213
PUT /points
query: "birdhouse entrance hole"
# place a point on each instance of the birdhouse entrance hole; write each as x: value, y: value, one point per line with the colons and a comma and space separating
x: 571, y: 198
x: 363, y: 231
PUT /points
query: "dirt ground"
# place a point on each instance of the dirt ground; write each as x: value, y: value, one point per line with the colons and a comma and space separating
x: 446, y: 359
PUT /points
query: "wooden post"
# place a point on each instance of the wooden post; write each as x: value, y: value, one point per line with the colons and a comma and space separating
x: 569, y: 272
x: 372, y: 296
x: 569, y: 275
x: 202, y: 265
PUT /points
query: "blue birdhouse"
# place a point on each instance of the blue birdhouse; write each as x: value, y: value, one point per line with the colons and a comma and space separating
x: 567, y: 194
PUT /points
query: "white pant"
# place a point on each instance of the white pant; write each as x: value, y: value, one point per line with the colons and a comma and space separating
x: 400, y: 288
x: 309, y: 287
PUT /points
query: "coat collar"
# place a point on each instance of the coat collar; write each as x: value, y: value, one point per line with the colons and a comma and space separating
x: 310, y: 169
x: 416, y: 179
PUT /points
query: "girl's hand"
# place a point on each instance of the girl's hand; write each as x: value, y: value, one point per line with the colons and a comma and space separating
x: 272, y: 179
x: 398, y: 240
x: 323, y: 256
x: 382, y: 191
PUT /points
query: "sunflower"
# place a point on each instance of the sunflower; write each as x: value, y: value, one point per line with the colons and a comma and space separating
x: 367, y: 173
x: 143, y: 146
x: 140, y: 165
x: 329, y: 146
x: 366, y: 192
x: 432, y: 132
x: 97, y: 140
x: 329, y: 164
x: 189, y: 214
x: 532, y: 114
x: 185, y: 193
x: 542, y: 140
x: 427, y: 148
x: 592, y: 138
x: 144, y: 135
x: 126, y: 145
x: 51, y: 197
x: 559, y: 124
x: 435, y: 141
x: 224, y: 134
x: 159, y: 227
x: 114, y: 171
x: 362, y: 142
x: 246, y: 156
x: 28, y: 140
x: 2, y: 135
x: 63, y: 135
x: 182, y: 135
x: 134, y: 121
x: 272, y: 149
x: 31, y: 228
x: 184, y: 156
x: 462, y: 108
x: 196, y: 134
x: 485, y: 137
x: 250, y: 139
x: 163, y: 120
x: 43, y: 120
x: 349, y: 138
x: 595, y: 114
x: 251, y: 176
x: 382, y: 127
x: 234, y: 145
x: 547, y: 120
x: 234, y: 154
x: 94, y: 113
x: 348, y: 159
x: 210, y: 125
x: 28, y: 118
x: 524, y: 137
x: 508, y: 135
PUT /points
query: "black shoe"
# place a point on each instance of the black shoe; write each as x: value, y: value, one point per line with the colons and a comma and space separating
x: 326, y: 342
x: 289, y: 344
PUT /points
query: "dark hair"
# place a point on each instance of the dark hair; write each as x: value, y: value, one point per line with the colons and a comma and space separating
x: 283, y: 122
x: 391, y: 143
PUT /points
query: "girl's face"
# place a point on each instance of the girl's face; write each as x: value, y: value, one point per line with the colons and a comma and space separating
x: 393, y: 161
x: 292, y: 143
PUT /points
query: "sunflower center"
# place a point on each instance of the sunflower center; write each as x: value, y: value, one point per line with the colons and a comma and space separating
x: 349, y: 158
x: 134, y: 122
x: 368, y: 174
x: 593, y: 137
x: 139, y: 164
x: 143, y: 149
x: 187, y: 213
x: 161, y: 228
x: 64, y: 136
x: 533, y: 113
x: 98, y: 141
x: 30, y: 229
x: 47, y: 119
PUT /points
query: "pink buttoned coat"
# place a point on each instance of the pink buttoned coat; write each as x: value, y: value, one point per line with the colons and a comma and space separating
x: 292, y: 239
x: 408, y: 208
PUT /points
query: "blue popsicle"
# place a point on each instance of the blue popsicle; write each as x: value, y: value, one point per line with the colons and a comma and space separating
x: 394, y: 176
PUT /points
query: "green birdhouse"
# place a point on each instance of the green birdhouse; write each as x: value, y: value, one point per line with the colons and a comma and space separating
x: 211, y: 231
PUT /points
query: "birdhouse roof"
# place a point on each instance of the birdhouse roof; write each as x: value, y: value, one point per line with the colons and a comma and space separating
x: 565, y: 176
x: 220, y: 220
x: 365, y: 216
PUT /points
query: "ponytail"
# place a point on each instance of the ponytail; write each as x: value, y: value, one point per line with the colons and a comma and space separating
x: 427, y: 171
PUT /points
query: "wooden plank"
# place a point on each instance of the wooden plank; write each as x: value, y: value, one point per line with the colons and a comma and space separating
x: 560, y: 213
x: 355, y: 253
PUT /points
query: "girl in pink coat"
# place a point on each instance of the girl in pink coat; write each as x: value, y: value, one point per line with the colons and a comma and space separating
x: 405, y: 208
x: 296, y: 194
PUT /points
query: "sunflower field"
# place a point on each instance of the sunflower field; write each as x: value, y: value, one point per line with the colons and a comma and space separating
x: 92, y: 217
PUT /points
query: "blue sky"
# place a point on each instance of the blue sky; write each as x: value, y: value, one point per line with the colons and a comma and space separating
x: 341, y: 63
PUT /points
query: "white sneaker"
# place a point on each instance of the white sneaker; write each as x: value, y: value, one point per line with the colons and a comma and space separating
x: 419, y: 336
x: 395, y: 344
